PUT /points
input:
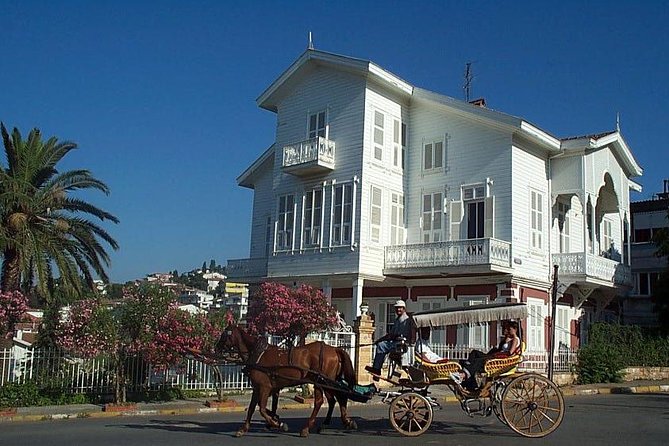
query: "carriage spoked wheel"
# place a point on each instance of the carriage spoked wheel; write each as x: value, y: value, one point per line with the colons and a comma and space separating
x: 410, y: 414
x: 532, y: 405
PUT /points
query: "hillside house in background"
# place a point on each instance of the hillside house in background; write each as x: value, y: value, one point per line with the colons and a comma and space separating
x: 648, y: 217
x: 376, y: 189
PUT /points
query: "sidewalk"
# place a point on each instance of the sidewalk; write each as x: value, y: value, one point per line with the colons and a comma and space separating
x: 241, y: 402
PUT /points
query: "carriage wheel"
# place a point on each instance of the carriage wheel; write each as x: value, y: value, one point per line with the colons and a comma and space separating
x: 410, y: 414
x: 532, y: 405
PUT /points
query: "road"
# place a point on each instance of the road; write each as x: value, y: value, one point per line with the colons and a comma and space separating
x: 589, y: 420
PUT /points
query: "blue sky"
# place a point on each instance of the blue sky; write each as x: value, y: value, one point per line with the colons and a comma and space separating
x: 160, y: 96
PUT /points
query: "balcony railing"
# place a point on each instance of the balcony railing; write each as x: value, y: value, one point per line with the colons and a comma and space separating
x: 482, y: 251
x: 592, y: 266
x: 315, y: 155
x: 245, y: 268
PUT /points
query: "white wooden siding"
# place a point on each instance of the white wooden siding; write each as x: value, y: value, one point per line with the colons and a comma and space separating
x: 529, y: 174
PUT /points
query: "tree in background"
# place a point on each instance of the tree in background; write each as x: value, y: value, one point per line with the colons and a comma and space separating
x: 291, y: 313
x: 13, y: 306
x: 43, y: 227
x: 660, y: 288
x: 146, y: 322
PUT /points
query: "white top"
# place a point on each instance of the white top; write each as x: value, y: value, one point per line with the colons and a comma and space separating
x: 423, y: 348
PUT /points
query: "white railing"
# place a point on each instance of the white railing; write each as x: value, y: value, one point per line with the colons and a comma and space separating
x: 598, y: 267
x: 480, y: 251
x: 253, y: 267
x: 19, y: 365
x: 314, y: 149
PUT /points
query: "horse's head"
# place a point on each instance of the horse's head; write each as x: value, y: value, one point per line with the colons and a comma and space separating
x: 226, y: 343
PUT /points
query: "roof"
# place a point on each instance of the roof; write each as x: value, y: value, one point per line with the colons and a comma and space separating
x: 650, y: 205
x: 614, y: 140
x: 246, y: 178
x: 270, y: 97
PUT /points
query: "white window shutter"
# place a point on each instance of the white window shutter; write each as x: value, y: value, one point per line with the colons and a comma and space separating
x: 489, y: 227
x: 455, y: 218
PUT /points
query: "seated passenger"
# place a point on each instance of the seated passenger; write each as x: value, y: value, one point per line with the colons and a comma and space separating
x: 509, y: 346
x: 423, y: 349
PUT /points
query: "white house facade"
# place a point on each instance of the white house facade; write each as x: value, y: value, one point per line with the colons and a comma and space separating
x: 375, y: 190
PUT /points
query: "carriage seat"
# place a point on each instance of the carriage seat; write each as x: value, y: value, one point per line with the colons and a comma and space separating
x: 504, y: 366
x: 437, y: 370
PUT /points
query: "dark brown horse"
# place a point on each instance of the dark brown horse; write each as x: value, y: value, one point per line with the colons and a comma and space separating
x: 271, y: 368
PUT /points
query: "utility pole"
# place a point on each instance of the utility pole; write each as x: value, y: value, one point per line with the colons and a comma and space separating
x: 551, y: 352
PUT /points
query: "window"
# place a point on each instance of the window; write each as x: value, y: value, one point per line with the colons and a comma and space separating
x: 396, y: 219
x: 642, y: 235
x: 317, y: 126
x: 537, y: 218
x: 645, y: 282
x: 607, y: 237
x: 378, y: 135
x: 474, y: 196
x: 311, y: 226
x: 268, y: 236
x: 562, y: 327
x: 473, y: 335
x: 399, y: 143
x: 375, y: 215
x: 563, y: 225
x: 438, y: 334
x: 342, y: 214
x: 535, y: 325
x: 432, y: 217
x: 433, y: 155
x: 284, y: 227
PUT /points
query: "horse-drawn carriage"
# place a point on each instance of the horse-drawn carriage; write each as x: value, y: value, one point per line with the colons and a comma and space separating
x: 528, y: 403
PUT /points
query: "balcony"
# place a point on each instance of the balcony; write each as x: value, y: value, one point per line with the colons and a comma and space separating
x: 596, y: 270
x: 314, y: 156
x: 246, y: 270
x: 488, y: 253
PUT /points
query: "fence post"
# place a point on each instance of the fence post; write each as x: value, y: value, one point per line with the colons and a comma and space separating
x: 363, y: 329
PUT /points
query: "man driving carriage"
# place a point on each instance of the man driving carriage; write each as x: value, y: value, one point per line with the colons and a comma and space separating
x: 386, y: 344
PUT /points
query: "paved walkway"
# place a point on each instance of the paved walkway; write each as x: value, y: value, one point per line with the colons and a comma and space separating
x: 240, y: 403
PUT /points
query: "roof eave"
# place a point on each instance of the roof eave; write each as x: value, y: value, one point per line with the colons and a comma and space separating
x: 245, y: 179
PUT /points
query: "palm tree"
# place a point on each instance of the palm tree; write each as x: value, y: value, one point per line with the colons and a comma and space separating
x: 44, y: 229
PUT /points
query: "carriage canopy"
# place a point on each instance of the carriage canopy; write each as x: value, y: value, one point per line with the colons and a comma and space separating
x: 470, y: 315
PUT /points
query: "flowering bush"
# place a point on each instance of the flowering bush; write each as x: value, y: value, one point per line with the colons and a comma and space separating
x: 13, y: 306
x: 290, y: 313
x: 146, y: 322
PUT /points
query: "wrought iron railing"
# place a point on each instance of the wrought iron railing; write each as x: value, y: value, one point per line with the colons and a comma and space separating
x: 479, y: 251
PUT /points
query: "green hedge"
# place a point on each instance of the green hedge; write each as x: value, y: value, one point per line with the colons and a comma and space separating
x: 613, y: 347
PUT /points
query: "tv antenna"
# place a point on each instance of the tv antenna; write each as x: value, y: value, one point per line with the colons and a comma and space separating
x: 469, y: 77
x: 311, y: 42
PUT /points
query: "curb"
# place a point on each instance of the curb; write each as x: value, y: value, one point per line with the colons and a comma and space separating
x: 294, y: 406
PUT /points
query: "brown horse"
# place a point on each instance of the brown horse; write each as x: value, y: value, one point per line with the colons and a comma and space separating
x: 270, y: 369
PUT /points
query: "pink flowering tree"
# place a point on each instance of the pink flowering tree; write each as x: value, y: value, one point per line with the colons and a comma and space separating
x: 291, y: 313
x: 146, y: 322
x: 13, y: 306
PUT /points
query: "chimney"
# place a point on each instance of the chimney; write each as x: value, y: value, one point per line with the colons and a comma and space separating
x: 664, y: 195
x: 480, y: 102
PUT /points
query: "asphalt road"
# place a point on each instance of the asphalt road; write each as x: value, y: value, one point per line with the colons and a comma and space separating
x: 641, y: 419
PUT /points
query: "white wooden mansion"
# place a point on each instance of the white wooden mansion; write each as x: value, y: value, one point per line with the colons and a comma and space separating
x: 375, y: 189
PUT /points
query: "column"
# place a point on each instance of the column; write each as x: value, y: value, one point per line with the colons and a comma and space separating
x: 357, y: 296
x: 364, y: 331
x: 327, y: 290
